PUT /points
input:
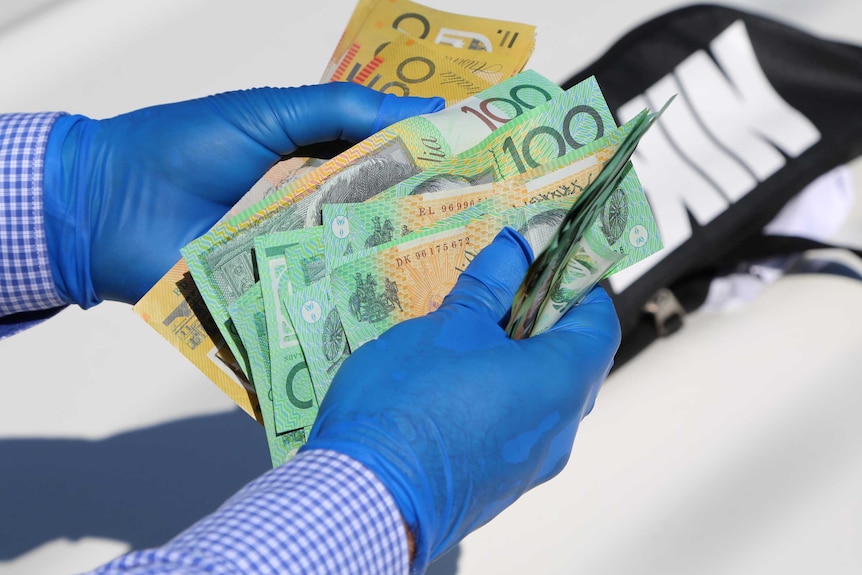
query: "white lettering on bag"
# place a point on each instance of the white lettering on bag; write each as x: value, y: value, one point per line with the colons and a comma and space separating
x: 716, y: 141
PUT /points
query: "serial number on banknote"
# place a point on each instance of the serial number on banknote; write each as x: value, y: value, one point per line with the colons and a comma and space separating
x: 432, y: 250
x: 448, y: 208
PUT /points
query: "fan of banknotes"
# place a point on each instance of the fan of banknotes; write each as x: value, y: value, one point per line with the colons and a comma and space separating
x: 321, y: 256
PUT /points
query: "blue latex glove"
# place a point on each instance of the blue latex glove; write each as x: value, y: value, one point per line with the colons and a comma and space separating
x: 456, y: 419
x: 123, y: 195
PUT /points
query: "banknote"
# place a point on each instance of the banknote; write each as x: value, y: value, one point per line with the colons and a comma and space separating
x: 541, y: 288
x: 411, y: 278
x: 564, y: 178
x: 624, y: 224
x: 622, y: 230
x: 626, y: 217
x: 250, y: 319
x: 321, y: 334
x: 581, y: 114
x: 510, y: 42
x: 468, y: 122
x: 492, y: 66
x: 221, y: 260
x: 272, y: 269
x: 592, y: 258
x: 407, y: 280
x: 248, y: 308
x: 406, y: 67
x: 276, y: 178
x: 569, y: 121
x: 289, y: 262
x: 351, y: 30
x: 350, y: 228
x: 369, y: 224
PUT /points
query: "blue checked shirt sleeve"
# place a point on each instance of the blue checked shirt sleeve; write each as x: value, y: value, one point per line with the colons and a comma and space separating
x: 322, y: 512
x: 26, y: 284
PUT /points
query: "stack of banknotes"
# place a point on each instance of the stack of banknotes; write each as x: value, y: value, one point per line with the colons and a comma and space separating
x: 321, y: 256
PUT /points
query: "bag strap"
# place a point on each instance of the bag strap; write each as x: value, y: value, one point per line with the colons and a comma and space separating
x: 762, y: 246
x: 664, y: 313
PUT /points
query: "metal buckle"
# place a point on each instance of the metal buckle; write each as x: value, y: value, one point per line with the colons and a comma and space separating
x: 666, y: 310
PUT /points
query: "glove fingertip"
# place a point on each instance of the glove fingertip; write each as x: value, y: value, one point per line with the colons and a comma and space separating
x: 510, y: 234
x: 595, y: 312
x: 503, y: 262
x: 395, y: 108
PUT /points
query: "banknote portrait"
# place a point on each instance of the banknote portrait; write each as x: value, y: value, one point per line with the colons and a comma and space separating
x: 539, y: 229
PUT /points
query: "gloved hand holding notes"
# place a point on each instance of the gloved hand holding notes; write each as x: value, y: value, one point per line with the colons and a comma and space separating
x: 342, y: 250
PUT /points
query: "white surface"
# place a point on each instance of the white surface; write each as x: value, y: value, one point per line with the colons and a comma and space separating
x: 736, y: 448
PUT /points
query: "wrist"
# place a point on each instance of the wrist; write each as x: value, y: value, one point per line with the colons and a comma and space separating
x: 67, y: 213
x: 398, y: 469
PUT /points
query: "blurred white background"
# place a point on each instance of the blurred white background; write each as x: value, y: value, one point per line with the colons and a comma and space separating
x: 733, y: 447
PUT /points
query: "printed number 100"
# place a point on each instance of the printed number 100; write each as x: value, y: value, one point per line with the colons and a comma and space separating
x: 492, y: 119
x: 564, y: 138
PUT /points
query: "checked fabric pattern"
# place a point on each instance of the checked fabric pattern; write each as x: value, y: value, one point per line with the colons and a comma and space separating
x: 320, y: 513
x: 26, y: 284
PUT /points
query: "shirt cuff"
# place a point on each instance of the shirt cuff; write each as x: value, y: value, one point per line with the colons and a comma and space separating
x: 26, y: 283
x: 322, y: 512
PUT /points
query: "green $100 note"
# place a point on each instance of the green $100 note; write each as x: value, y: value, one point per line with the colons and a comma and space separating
x: 550, y: 288
x: 571, y: 120
x: 567, y: 123
x: 320, y: 332
x: 289, y: 262
x: 250, y: 320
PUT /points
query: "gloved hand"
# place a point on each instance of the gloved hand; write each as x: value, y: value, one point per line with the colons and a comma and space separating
x: 456, y: 419
x: 123, y: 195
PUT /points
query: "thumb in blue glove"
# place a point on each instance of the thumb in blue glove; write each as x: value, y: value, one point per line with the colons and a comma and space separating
x: 123, y: 195
x: 456, y: 419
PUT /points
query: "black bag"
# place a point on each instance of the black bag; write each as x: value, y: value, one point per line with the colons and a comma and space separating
x: 762, y: 109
